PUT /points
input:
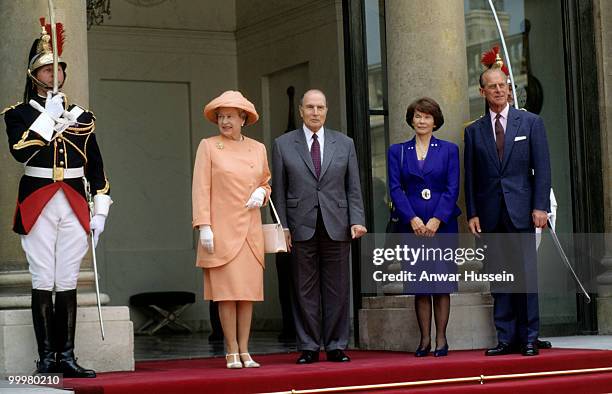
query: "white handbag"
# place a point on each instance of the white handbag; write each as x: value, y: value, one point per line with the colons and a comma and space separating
x: 274, y: 235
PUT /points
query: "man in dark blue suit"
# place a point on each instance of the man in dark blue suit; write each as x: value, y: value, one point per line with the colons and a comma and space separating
x: 507, y: 187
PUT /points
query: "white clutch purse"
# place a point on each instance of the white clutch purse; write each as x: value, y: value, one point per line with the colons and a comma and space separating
x: 274, y: 235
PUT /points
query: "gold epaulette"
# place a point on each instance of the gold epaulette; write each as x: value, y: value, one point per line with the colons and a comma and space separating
x: 5, y: 110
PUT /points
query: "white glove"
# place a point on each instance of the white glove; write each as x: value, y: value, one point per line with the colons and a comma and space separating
x: 552, y: 216
x: 63, y: 122
x: 97, y: 227
x: 257, y: 198
x: 55, y: 105
x: 102, y: 203
x: 206, y: 238
x: 46, y: 122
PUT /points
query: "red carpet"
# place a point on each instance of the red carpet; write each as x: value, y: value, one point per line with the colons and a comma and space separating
x: 279, y: 373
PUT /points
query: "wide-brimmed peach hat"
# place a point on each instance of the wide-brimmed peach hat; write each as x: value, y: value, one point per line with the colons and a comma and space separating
x: 231, y: 99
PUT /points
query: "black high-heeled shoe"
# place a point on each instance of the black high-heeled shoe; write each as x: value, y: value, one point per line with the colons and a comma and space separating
x: 420, y: 352
x: 441, y: 352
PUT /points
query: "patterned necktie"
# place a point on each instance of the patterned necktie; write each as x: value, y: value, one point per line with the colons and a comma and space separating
x: 499, y: 137
x: 315, y: 153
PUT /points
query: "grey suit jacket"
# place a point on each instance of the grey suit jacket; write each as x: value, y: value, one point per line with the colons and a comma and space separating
x: 297, y: 194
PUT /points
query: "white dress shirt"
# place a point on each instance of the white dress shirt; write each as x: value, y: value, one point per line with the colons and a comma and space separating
x: 320, y: 137
x: 503, y: 118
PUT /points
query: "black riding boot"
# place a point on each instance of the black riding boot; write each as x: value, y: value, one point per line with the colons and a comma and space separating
x: 42, y: 319
x: 65, y: 318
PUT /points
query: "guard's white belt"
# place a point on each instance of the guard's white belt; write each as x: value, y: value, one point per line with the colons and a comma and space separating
x: 41, y: 172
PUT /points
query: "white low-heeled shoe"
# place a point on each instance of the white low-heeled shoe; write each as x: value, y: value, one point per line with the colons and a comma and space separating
x: 233, y: 361
x: 248, y: 362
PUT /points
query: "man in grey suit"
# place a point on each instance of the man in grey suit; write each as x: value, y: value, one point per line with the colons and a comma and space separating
x: 316, y: 189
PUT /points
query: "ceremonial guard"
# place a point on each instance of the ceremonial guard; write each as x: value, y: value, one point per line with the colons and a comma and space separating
x: 57, y: 145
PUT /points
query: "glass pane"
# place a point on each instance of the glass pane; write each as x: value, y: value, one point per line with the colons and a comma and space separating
x: 379, y: 173
x: 378, y: 137
x: 533, y: 31
x: 373, y: 49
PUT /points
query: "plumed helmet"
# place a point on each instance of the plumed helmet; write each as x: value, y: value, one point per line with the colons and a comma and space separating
x: 41, y: 53
x: 492, y: 59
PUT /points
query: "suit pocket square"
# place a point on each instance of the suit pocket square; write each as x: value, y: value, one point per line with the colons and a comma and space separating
x: 520, y: 138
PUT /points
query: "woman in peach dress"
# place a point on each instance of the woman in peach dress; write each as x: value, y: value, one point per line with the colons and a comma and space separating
x: 230, y: 184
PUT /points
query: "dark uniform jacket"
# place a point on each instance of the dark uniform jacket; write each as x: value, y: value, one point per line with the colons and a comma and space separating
x: 76, y: 147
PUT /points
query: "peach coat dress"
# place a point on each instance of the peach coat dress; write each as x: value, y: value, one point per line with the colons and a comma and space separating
x: 225, y: 175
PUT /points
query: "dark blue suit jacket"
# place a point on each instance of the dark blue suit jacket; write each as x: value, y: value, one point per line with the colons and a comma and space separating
x: 440, y: 175
x: 521, y: 180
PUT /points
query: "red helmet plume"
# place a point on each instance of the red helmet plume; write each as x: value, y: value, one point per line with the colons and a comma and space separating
x: 492, y: 58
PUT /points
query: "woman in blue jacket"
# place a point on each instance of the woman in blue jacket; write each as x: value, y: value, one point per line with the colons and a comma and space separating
x: 424, y: 186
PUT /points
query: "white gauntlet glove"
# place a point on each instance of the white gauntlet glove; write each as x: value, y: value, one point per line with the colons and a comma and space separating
x: 257, y: 198
x: 102, y: 203
x: 206, y: 238
x: 97, y: 227
x: 45, y: 122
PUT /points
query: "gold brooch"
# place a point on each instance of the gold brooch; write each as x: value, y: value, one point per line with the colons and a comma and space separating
x: 219, y: 145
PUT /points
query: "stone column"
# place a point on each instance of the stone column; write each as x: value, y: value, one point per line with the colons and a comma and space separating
x: 19, y: 28
x: 426, y: 56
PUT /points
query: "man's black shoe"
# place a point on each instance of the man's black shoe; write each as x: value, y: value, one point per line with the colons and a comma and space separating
x: 543, y: 344
x: 499, y: 350
x: 530, y: 349
x: 337, y: 356
x: 308, y: 357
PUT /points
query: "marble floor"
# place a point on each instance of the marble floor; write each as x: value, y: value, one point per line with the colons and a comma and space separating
x: 166, y: 346
x: 596, y: 342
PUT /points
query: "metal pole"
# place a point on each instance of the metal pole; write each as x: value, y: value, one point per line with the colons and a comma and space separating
x: 53, y: 44
x: 482, y: 379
